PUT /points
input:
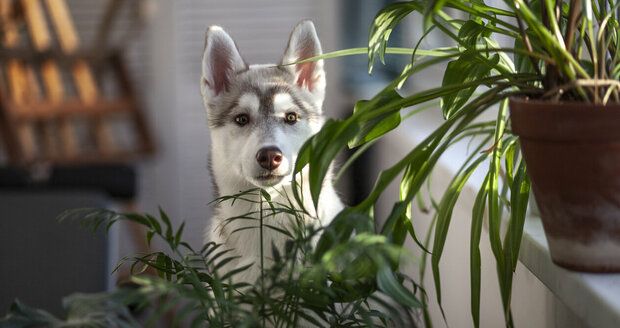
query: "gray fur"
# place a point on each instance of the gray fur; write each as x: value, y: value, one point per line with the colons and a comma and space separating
x: 265, y: 82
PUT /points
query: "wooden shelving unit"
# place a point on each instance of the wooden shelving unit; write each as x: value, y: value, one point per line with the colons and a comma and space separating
x: 52, y: 105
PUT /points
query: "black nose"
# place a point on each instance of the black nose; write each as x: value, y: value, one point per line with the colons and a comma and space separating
x: 269, y: 158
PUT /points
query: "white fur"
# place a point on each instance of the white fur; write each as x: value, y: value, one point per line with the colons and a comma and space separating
x: 234, y: 148
x: 249, y: 101
x: 282, y: 103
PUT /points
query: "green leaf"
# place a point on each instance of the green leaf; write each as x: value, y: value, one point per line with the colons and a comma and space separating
x: 341, y: 228
x: 153, y: 224
x: 467, y: 68
x: 475, y: 261
x: 432, y: 8
x: 519, y: 196
x: 385, y: 21
x: 143, y: 220
x: 472, y: 31
x: 365, y: 51
x: 523, y: 63
x: 494, y: 174
x: 166, y: 220
x: 21, y: 315
x: 388, y: 284
x: 319, y: 152
x: 495, y: 214
x: 380, y: 125
x: 395, y: 227
x: 179, y: 234
x: 446, y: 206
x: 149, y: 236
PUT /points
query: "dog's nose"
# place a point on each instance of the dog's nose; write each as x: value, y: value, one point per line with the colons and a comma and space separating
x: 269, y: 158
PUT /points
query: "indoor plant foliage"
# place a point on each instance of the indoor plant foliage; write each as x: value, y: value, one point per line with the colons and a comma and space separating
x: 356, y: 284
x: 552, y: 53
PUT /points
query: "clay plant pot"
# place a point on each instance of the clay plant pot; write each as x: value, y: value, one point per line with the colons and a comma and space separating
x: 572, y: 152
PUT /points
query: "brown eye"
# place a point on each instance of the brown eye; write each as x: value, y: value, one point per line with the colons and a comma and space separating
x: 242, y: 119
x: 291, y: 118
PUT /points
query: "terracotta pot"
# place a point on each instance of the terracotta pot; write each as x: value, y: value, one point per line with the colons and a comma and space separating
x: 572, y: 151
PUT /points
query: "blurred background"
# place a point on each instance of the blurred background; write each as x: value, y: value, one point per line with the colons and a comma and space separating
x: 100, y: 106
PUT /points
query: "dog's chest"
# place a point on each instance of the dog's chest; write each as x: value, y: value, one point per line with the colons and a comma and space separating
x: 248, y: 229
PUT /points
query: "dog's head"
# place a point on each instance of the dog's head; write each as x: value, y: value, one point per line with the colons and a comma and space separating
x: 260, y: 115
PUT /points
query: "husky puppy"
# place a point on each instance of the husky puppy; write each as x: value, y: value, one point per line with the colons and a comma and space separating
x: 259, y: 117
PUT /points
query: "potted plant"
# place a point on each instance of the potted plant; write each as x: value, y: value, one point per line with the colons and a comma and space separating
x: 556, y: 64
x: 570, y: 137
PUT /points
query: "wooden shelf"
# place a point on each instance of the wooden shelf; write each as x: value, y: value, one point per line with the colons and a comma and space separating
x: 52, y: 85
x: 42, y: 111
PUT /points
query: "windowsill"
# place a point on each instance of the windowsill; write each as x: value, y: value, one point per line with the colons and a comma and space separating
x: 595, y: 298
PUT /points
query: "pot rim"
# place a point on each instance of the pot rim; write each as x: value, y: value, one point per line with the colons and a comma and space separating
x: 577, y: 105
x: 564, y: 121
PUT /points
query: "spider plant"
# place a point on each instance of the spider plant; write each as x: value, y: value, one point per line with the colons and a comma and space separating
x: 550, y: 50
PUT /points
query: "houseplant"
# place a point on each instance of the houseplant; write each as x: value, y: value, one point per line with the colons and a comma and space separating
x: 561, y: 54
x: 555, y: 53
x: 356, y: 284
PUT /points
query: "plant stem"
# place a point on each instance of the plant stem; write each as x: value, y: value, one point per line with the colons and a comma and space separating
x: 573, y: 16
x: 528, y: 44
x: 262, y: 257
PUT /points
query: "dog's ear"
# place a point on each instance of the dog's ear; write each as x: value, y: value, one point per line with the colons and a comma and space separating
x: 303, y: 44
x: 220, y: 61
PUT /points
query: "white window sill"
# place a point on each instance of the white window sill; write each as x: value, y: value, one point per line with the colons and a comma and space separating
x: 595, y: 298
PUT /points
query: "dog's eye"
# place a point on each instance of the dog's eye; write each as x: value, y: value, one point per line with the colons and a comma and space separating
x: 291, y: 118
x: 242, y: 119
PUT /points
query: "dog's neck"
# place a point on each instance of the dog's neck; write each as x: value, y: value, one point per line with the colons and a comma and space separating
x: 232, y: 184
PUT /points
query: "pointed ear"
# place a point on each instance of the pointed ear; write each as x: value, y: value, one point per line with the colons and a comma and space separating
x: 303, y: 44
x: 220, y: 61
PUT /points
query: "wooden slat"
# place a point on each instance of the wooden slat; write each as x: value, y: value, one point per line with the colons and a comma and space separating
x: 35, y: 19
x: 17, y: 82
x: 50, y: 72
x: 63, y: 24
x: 46, y: 128
x: 67, y: 36
x: 90, y: 158
x: 42, y: 111
x: 10, y: 30
x: 26, y: 54
x: 82, y: 74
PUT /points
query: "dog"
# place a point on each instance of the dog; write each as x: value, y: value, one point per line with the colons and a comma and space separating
x: 259, y: 117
